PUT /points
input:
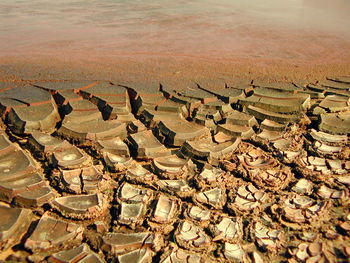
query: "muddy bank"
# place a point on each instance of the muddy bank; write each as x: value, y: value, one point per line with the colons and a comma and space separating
x: 148, y: 71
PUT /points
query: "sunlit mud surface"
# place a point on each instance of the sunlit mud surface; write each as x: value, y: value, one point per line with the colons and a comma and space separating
x: 108, y: 172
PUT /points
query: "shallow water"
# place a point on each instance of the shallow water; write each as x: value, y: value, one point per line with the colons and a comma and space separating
x: 291, y: 30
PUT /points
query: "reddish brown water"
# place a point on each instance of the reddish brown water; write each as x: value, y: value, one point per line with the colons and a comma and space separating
x: 155, y: 39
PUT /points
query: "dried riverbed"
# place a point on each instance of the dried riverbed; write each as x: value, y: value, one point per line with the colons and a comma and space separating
x: 106, y: 171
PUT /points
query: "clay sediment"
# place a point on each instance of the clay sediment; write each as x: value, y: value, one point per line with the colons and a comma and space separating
x: 105, y: 172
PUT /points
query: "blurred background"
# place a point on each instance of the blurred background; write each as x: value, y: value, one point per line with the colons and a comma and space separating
x: 227, y: 31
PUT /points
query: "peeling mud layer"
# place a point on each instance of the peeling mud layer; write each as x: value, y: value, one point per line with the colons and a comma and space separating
x: 106, y: 172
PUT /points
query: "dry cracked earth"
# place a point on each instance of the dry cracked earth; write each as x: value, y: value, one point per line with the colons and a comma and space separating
x: 101, y: 172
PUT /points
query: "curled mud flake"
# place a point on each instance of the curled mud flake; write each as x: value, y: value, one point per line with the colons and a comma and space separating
x: 345, y: 226
x: 215, y: 197
x: 303, y: 186
x: 71, y: 255
x: 294, y: 215
x: 288, y: 147
x: 273, y: 179
x: 299, y: 201
x: 300, y: 209
x: 262, y: 113
x: 94, y: 180
x: 270, y: 125
x: 88, y: 180
x: 87, y: 132
x: 36, y: 197
x: 235, y: 253
x: 5, y: 144
x: 117, y: 163
x: 131, y: 214
x: 190, y: 236
x: 266, y: 137
x: 165, y: 213
x: 338, y: 167
x: 312, y: 252
x: 301, y: 252
x: 39, y: 116
x: 10, y: 189
x: 51, y: 233
x: 311, y: 166
x: 245, y: 132
x: 210, y: 177
x: 255, y: 159
x: 198, y: 214
x: 290, y: 156
x: 330, y: 139
x: 207, y: 117
x: 134, y: 194
x: 177, y: 255
x: 144, y: 145
x: 70, y: 158
x: 308, y: 236
x: 15, y: 165
x: 178, y: 187
x: 248, y: 197
x: 335, y: 164
x: 71, y: 180
x: 14, y: 224
x: 326, y: 150
x: 177, y: 131
x: 114, y: 145
x: 81, y: 206
x: 315, y: 210
x: 44, y: 144
x: 267, y: 238
x: 207, y: 113
x: 208, y: 150
x: 171, y: 167
x: 120, y: 243
x: 228, y: 229
x: 330, y: 146
x: 155, y: 119
x: 335, y: 123
x: 138, y: 174
x: 282, y: 144
x: 333, y: 103
x: 143, y: 255
x: 221, y: 137
x: 343, y: 180
x: 329, y: 193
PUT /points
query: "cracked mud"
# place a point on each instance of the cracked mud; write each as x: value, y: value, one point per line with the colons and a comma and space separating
x: 102, y: 172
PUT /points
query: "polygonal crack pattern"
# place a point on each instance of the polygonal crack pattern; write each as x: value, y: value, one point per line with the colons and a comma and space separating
x: 246, y: 172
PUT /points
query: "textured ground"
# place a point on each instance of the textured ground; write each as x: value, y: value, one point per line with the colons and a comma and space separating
x: 119, y: 172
